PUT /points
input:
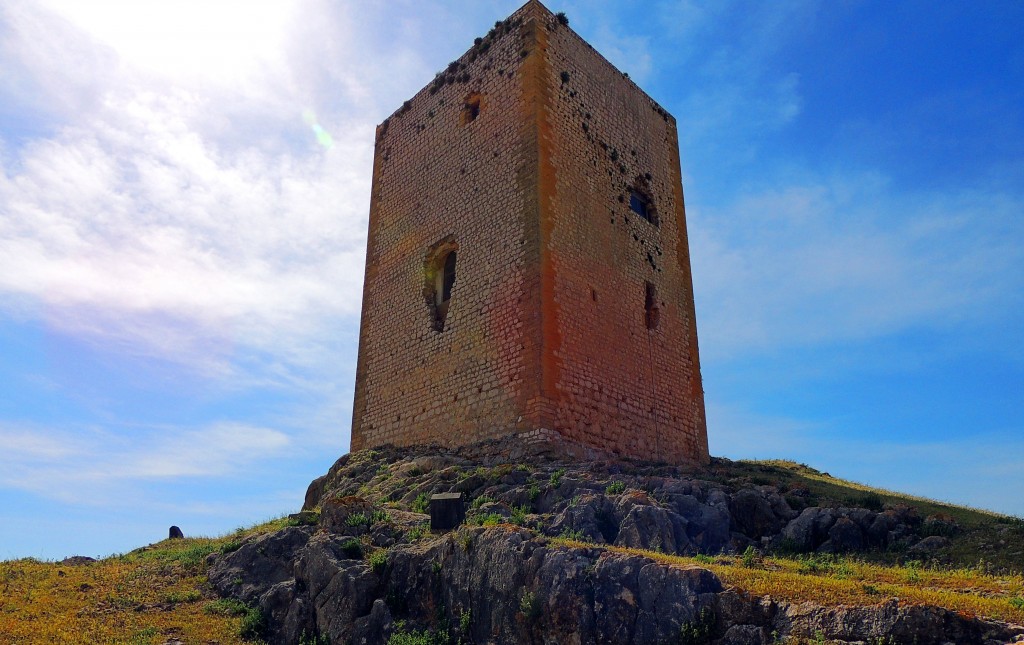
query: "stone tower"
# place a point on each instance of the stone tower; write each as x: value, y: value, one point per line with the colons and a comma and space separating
x: 527, y: 267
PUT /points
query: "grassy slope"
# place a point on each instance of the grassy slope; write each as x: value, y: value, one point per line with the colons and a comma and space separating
x: 160, y: 592
x: 150, y: 595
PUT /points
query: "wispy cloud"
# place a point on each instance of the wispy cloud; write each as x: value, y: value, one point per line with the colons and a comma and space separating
x: 99, y: 467
x: 843, y: 258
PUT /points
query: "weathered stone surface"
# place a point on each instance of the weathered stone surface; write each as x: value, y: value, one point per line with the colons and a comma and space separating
x: 256, y: 566
x: 174, y: 533
x: 753, y: 515
x: 655, y: 528
x: 744, y: 635
x: 912, y: 624
x: 520, y: 587
x: 809, y: 529
x: 844, y: 536
x: 335, y: 512
x: 930, y: 544
x: 593, y: 518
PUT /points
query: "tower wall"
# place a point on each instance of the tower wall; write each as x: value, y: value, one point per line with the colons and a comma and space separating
x: 548, y: 325
x: 621, y: 385
x: 439, y: 176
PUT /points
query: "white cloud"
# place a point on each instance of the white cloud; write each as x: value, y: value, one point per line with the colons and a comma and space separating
x: 839, y: 259
x: 148, y: 221
x: 97, y: 467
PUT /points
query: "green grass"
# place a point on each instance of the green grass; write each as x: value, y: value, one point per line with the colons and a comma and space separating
x: 556, y: 478
x: 421, y: 504
x: 615, y: 488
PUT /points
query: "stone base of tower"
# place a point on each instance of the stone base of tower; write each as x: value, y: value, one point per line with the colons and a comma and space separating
x: 517, y: 445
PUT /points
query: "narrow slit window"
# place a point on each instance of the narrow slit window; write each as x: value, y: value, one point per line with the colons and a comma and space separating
x: 651, y: 307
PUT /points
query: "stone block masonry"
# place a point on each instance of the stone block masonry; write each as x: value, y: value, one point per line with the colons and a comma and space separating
x: 527, y: 268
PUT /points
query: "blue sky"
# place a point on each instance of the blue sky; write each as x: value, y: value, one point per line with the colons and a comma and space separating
x: 181, y: 254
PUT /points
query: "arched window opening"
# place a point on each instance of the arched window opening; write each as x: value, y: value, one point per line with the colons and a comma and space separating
x: 440, y: 280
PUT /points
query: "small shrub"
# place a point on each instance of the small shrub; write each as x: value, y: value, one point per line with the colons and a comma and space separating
x: 254, y: 624
x: 871, y: 590
x: 699, y: 631
x: 569, y: 534
x: 615, y: 488
x: 353, y: 549
x: 412, y: 637
x: 533, y: 492
x: 871, y: 501
x: 1017, y: 603
x: 378, y: 560
x: 556, y: 478
x: 750, y: 558
x: 231, y: 545
x: 491, y: 519
x: 305, y: 518
x: 464, y: 621
x: 519, y: 514
x: 357, y: 519
x: 562, y: 18
x: 704, y: 559
x: 480, y: 501
x: 530, y: 605
x: 416, y: 532
x: 226, y: 607
x: 313, y: 639
x: 421, y: 504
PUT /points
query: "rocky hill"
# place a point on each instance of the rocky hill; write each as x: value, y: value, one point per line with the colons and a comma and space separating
x: 553, y: 550
x: 557, y: 551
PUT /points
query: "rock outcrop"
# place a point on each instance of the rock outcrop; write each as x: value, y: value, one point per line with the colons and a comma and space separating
x: 356, y: 566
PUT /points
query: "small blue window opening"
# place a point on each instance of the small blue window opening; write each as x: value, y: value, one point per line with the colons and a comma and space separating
x: 642, y: 206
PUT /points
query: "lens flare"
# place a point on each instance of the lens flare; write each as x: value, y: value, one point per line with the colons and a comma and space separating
x: 322, y: 136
